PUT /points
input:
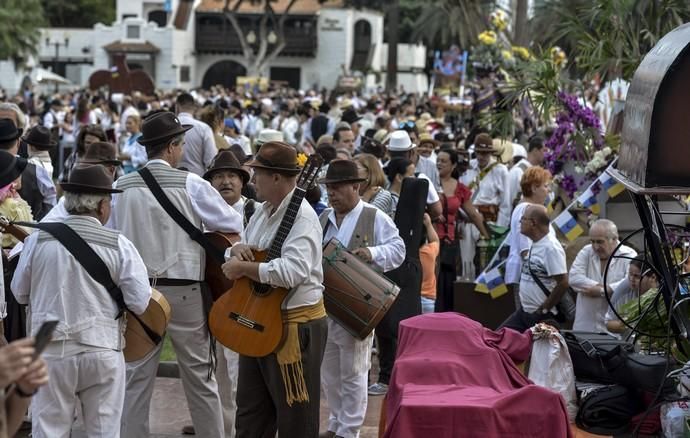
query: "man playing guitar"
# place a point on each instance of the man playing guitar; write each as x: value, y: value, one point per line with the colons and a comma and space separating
x: 263, y: 404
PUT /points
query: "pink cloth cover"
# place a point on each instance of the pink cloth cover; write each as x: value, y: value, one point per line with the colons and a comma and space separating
x: 455, y: 378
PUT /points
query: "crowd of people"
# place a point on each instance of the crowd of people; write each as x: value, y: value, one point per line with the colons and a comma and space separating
x: 403, y: 187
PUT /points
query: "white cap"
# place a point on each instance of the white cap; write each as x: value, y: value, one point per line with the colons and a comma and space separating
x: 267, y: 135
x: 519, y: 150
x: 400, y: 142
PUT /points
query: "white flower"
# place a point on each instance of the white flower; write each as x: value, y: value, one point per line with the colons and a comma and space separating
x: 578, y: 169
x: 607, y: 151
x: 598, y: 155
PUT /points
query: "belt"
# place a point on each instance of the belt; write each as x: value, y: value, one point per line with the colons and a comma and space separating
x: 172, y: 282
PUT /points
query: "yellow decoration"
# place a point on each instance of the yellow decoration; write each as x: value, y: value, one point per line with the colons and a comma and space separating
x: 301, y: 159
x: 522, y: 53
x: 507, y: 55
x: 488, y: 37
x: 499, y: 20
x: 558, y: 57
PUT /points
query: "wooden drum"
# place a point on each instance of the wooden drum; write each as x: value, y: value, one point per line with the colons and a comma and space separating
x: 355, y: 295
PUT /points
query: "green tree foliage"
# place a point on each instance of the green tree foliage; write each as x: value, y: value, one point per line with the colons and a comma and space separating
x: 441, y: 23
x: 79, y: 13
x: 608, y: 37
x: 19, y: 20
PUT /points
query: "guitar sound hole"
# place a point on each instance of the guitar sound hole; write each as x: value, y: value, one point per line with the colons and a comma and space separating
x: 260, y: 289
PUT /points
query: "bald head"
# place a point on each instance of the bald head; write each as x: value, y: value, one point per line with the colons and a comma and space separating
x: 539, y: 214
x: 535, y: 222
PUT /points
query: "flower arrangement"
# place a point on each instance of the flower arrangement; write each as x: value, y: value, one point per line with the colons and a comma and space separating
x: 558, y: 57
x: 488, y: 37
x: 499, y: 20
x: 522, y: 53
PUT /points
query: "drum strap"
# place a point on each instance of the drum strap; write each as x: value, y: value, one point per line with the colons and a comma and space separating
x: 92, y: 263
x: 194, y: 233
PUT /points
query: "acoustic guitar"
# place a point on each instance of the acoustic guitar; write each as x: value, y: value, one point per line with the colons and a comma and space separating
x: 156, y: 317
x: 217, y: 282
x: 249, y: 318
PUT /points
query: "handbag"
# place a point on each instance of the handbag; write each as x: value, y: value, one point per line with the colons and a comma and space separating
x: 449, y: 248
x: 608, y: 410
x: 565, y: 307
x: 602, y: 358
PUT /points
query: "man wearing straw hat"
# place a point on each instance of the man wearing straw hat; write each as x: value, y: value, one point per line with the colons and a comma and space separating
x: 85, y: 359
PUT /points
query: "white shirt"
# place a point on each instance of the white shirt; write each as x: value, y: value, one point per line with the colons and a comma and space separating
x: 388, y: 250
x: 299, y: 266
x: 242, y: 141
x: 42, y: 159
x: 58, y: 287
x: 432, y: 194
x: 428, y: 168
x: 514, y: 176
x: 45, y: 184
x: 547, y: 259
x: 199, y: 145
x: 491, y: 189
x: 585, y: 272
x: 518, y: 243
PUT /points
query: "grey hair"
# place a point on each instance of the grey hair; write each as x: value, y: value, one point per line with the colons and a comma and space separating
x: 609, y: 226
x: 9, y: 106
x: 80, y: 203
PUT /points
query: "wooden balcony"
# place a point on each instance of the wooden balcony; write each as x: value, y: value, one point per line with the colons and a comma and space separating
x: 215, y: 34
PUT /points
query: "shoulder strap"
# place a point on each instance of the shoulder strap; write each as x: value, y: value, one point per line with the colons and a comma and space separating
x: 537, y: 280
x: 249, y: 208
x: 92, y: 263
x: 194, y: 233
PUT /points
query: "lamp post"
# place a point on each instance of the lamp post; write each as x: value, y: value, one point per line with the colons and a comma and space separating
x: 57, y: 43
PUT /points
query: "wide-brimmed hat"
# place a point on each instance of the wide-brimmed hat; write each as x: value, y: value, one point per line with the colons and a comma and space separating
x: 160, y: 127
x: 8, y: 131
x: 39, y: 138
x: 484, y: 143
x: 341, y: 171
x: 277, y: 156
x: 226, y: 160
x: 427, y: 138
x: 10, y: 167
x: 400, y: 142
x: 89, y: 179
x: 267, y: 135
x: 101, y: 152
x: 350, y: 116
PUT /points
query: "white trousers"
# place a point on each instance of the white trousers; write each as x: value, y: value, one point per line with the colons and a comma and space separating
x: 190, y: 339
x: 226, y: 373
x: 96, y: 381
x: 344, y: 373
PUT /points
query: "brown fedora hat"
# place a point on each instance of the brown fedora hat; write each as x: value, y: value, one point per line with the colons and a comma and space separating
x: 226, y: 160
x: 341, y: 171
x: 90, y: 179
x: 484, y: 143
x: 277, y: 156
x: 39, y: 138
x: 160, y: 127
x: 101, y: 152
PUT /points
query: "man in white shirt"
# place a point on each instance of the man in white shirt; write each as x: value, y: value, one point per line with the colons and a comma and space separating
x: 264, y: 407
x: 534, y: 157
x: 85, y: 359
x: 587, y: 275
x: 39, y: 144
x: 200, y: 146
x: 346, y: 362
x: 176, y: 266
x: 546, y: 260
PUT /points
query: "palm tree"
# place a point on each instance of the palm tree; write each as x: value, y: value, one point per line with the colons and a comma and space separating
x: 445, y: 22
x: 608, y: 37
x: 19, y: 23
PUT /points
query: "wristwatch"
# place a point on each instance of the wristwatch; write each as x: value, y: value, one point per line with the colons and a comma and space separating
x: 23, y: 394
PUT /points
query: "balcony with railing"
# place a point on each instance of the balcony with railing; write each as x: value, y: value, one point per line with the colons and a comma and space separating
x: 215, y: 34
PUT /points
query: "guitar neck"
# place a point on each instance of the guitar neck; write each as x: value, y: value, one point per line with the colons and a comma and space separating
x: 286, y: 223
x: 15, y: 231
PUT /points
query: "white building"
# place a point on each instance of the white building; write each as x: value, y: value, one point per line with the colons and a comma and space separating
x: 190, y: 43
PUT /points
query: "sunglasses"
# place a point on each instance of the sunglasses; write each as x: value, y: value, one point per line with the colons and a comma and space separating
x: 409, y: 124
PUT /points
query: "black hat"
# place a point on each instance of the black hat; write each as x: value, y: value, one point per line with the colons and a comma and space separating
x: 8, y: 131
x: 10, y: 167
x: 90, y: 179
x: 226, y: 160
x: 160, y: 127
x: 39, y: 138
x: 239, y: 153
x: 101, y: 152
x: 340, y: 171
x: 350, y: 116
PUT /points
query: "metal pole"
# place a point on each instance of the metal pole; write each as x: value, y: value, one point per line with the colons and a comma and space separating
x: 55, y: 63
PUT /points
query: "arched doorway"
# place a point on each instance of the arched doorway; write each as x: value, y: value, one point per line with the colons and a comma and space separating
x: 362, y: 44
x: 223, y: 73
x: 159, y: 17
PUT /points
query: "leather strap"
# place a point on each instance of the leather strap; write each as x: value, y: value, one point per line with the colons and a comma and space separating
x: 194, y: 233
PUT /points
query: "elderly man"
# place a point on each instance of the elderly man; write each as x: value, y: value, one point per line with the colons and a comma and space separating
x: 85, y: 360
x: 345, y: 365
x: 546, y: 262
x: 587, y: 275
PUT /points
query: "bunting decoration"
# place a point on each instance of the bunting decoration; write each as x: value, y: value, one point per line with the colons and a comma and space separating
x: 589, y: 200
x: 568, y: 225
x: 609, y: 183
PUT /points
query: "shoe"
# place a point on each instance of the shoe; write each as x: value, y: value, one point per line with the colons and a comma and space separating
x: 378, y: 389
x: 188, y: 430
x: 328, y: 434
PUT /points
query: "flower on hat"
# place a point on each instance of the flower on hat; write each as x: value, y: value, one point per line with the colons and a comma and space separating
x: 499, y: 19
x: 558, y: 57
x: 301, y: 159
x: 488, y: 37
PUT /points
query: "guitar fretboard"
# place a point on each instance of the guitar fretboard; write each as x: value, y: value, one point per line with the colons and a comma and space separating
x: 286, y: 224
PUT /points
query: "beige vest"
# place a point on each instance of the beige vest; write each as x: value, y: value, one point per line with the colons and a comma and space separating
x: 167, y: 249
x: 363, y: 234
